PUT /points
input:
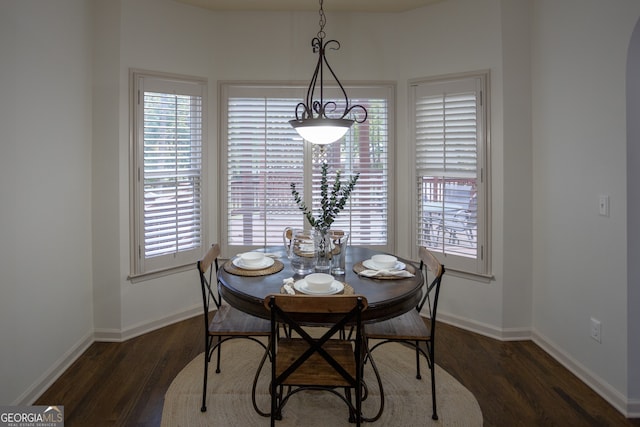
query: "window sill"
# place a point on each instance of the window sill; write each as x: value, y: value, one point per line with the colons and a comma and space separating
x: 476, y: 277
x: 136, y: 278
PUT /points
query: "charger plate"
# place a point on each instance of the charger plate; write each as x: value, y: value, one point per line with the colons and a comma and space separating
x: 229, y: 267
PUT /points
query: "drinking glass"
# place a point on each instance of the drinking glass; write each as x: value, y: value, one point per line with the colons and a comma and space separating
x: 339, y: 241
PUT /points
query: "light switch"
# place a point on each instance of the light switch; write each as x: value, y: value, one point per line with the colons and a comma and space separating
x: 603, y: 204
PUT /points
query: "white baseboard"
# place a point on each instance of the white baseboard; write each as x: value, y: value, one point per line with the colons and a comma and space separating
x: 110, y: 335
x: 514, y: 334
x: 114, y: 335
x: 629, y: 408
x: 597, y: 384
x: 53, y: 373
x: 633, y: 408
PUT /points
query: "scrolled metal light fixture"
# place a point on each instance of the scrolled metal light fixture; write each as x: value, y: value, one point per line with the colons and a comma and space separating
x: 317, y: 120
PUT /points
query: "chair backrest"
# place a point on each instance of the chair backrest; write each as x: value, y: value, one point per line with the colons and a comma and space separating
x: 208, y: 271
x: 337, y: 311
x: 430, y: 266
x: 287, y: 236
x: 458, y: 193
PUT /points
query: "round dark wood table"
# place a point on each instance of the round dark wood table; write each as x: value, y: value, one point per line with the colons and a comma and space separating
x: 387, y: 298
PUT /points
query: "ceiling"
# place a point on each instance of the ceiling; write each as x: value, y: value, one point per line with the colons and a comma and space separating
x: 312, y: 5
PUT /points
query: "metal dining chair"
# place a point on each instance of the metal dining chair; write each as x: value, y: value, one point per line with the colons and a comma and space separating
x: 226, y: 322
x: 410, y: 328
x: 322, y: 363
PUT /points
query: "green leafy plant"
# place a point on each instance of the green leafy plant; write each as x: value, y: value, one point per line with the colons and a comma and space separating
x: 331, y: 203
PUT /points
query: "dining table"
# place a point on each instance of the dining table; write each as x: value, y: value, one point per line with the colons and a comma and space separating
x: 387, y: 296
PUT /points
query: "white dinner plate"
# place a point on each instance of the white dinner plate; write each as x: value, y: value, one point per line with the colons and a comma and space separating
x: 266, y: 263
x: 368, y: 263
x: 302, y: 286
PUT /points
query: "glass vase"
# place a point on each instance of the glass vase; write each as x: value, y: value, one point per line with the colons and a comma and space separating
x: 301, y: 250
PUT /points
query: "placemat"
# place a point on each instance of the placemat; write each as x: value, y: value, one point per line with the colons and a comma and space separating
x: 348, y: 290
x: 358, y: 267
x: 229, y: 267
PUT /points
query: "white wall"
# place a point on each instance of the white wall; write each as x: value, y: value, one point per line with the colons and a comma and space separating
x: 169, y: 37
x: 515, y: 156
x: 579, y: 149
x: 45, y: 183
x: 633, y: 212
x: 107, y: 160
x: 455, y: 37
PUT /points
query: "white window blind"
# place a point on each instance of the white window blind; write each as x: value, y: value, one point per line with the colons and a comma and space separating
x: 168, y: 172
x: 446, y: 135
x: 365, y: 149
x: 448, y: 127
x: 264, y: 155
x: 263, y: 158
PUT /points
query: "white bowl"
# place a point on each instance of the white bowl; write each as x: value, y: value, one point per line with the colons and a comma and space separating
x: 384, y: 261
x: 319, y: 282
x: 252, y: 259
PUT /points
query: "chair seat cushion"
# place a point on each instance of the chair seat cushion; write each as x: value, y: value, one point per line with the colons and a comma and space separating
x: 316, y: 371
x: 409, y: 326
x: 231, y: 322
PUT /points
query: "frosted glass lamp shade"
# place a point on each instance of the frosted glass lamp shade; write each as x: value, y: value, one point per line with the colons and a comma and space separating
x: 321, y: 131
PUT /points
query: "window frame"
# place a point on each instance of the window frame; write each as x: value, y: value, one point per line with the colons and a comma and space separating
x: 298, y: 89
x: 479, y: 267
x: 141, y: 267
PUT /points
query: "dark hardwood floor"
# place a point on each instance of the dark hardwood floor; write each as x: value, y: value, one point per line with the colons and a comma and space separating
x: 515, y: 383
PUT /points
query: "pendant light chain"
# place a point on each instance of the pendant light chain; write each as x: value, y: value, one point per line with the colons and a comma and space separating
x: 323, y: 22
x: 321, y: 121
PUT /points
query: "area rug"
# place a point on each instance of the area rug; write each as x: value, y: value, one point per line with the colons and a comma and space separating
x: 407, y: 400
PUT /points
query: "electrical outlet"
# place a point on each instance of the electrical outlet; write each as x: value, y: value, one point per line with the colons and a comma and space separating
x: 603, y: 205
x: 596, y: 330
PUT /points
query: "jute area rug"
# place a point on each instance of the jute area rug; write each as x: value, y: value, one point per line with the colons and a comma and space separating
x: 407, y: 400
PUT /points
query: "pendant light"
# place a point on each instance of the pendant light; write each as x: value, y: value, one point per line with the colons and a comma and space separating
x: 317, y: 120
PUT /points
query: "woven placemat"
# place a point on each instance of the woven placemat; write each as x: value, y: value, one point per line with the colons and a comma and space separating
x: 229, y: 267
x: 348, y: 290
x: 359, y: 267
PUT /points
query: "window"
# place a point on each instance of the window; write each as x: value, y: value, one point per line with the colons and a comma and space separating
x: 449, y: 129
x: 167, y: 171
x: 263, y: 155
